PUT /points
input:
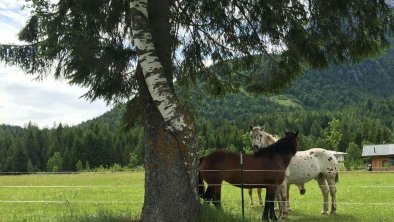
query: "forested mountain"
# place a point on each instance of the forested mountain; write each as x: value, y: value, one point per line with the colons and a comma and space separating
x: 357, y: 101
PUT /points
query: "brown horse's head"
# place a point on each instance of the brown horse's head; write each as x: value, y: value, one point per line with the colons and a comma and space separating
x: 260, y: 139
x: 293, y: 137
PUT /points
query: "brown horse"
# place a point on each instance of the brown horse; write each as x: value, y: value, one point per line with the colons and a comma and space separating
x: 265, y: 169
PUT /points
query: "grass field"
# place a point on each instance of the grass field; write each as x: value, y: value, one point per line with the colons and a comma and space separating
x: 362, y: 196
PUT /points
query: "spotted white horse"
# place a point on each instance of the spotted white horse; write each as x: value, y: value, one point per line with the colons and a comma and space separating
x: 315, y: 163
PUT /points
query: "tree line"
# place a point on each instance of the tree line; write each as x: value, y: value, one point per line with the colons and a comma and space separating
x: 222, y: 123
x: 65, y: 148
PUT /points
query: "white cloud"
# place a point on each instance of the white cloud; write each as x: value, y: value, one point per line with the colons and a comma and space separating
x: 16, y: 17
x: 42, y: 102
x: 8, y: 33
x: 12, y: 19
x: 7, y: 4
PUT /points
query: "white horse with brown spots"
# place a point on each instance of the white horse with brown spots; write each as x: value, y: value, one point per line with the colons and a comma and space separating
x: 316, y: 163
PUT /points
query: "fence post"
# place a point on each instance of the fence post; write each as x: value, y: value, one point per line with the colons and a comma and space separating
x: 242, y: 185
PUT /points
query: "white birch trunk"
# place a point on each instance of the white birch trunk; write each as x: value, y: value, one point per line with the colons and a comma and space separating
x: 152, y: 69
x: 160, y: 90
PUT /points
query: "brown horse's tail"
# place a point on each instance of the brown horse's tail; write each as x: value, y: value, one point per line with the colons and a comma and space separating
x: 201, y: 188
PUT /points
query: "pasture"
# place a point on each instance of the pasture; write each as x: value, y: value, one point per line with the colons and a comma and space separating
x: 362, y: 196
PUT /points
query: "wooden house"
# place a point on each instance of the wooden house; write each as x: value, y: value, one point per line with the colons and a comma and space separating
x: 379, y: 156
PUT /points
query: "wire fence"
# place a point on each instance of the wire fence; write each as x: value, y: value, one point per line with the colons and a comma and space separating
x: 375, y: 170
x: 387, y: 186
x: 141, y: 186
x: 141, y: 202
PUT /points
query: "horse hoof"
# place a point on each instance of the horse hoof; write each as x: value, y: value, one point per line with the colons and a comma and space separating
x: 274, y: 218
x: 324, y: 213
x: 333, y: 212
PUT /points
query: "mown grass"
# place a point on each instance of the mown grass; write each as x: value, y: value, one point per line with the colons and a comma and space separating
x: 72, y: 197
x: 362, y: 196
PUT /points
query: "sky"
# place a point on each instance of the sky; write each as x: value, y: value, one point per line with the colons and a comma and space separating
x: 45, y: 102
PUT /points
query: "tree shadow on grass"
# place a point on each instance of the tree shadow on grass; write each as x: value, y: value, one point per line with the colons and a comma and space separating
x: 101, y: 216
x: 210, y: 214
x: 299, y: 216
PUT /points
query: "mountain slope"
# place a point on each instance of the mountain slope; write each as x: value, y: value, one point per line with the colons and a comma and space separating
x: 346, y: 85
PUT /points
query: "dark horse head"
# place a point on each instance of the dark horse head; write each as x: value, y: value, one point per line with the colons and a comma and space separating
x: 286, y: 145
x: 293, y: 139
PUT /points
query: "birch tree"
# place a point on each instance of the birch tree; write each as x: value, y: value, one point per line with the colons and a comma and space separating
x: 134, y: 51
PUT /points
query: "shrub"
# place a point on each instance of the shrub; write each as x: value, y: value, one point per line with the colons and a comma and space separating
x: 79, y: 166
x: 55, y: 163
x: 87, y: 166
x: 116, y: 168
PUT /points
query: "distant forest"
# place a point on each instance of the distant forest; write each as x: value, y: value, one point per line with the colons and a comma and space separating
x: 340, y: 108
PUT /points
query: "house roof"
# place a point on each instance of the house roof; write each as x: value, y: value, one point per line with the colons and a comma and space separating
x: 378, y: 150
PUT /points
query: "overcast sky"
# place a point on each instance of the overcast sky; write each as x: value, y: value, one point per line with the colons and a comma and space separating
x: 23, y: 99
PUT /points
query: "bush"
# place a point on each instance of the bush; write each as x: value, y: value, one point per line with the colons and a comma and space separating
x: 87, y: 166
x: 55, y: 163
x: 101, y: 168
x: 79, y: 166
x: 116, y: 168
x: 30, y: 167
x: 134, y: 160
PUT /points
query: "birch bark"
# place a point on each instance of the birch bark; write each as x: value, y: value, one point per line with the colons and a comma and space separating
x: 178, y: 124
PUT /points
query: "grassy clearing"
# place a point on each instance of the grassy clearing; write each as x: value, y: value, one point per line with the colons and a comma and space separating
x: 286, y: 101
x: 72, y: 197
x: 361, y: 196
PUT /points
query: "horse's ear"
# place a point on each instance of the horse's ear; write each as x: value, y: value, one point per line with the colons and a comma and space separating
x: 263, y: 127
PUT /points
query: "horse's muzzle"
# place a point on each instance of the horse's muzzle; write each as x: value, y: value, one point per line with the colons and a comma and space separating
x: 255, y: 148
x: 302, y: 191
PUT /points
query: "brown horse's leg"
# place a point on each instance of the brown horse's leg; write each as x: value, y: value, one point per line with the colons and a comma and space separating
x: 333, y: 192
x: 269, y: 211
x: 250, y: 196
x: 272, y: 191
x: 266, y: 207
x: 217, y: 195
x: 259, y: 195
x: 323, y: 186
x: 209, y: 194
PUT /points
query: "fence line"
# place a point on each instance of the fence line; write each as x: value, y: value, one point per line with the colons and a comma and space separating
x: 141, y: 202
x: 69, y: 201
x: 70, y: 186
x: 142, y: 186
x: 228, y: 170
x: 315, y: 202
x: 68, y: 172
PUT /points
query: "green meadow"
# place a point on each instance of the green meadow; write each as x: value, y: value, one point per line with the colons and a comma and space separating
x: 361, y: 196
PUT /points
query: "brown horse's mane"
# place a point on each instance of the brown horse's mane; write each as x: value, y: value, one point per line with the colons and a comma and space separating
x: 282, y: 146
